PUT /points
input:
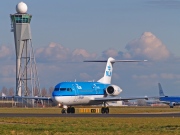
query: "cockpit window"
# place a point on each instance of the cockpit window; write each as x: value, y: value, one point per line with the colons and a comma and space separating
x: 56, y: 89
x: 62, y: 89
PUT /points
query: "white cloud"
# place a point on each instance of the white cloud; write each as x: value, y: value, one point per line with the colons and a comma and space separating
x: 57, y: 52
x: 170, y: 76
x: 148, y: 46
x: 126, y: 55
x: 52, y: 52
x: 5, y: 51
x: 110, y: 53
x: 81, y: 54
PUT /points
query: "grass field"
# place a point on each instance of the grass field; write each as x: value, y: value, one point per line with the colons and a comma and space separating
x: 95, y: 126
x: 90, y: 126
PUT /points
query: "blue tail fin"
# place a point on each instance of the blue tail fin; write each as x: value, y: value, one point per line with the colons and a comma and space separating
x: 161, y: 93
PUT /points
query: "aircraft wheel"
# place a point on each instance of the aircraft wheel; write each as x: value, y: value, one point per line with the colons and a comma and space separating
x: 171, y: 106
x: 107, y: 110
x: 69, y: 110
x: 103, y: 110
x: 72, y: 110
x: 63, y: 111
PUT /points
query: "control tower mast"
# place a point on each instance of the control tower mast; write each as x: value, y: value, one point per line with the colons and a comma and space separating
x: 27, y: 82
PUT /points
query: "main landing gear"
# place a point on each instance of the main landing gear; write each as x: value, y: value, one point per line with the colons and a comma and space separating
x: 105, y: 109
x: 68, y: 110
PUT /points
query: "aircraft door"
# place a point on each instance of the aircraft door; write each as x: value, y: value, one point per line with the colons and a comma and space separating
x: 75, y: 90
x: 96, y: 88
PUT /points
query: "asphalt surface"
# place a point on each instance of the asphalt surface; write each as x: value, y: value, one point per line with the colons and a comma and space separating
x: 89, y: 115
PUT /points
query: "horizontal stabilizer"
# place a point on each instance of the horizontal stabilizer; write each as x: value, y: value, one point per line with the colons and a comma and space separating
x: 113, y: 61
x: 128, y: 60
x: 95, y: 61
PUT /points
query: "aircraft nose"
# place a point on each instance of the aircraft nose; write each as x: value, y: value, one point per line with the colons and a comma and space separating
x: 56, y: 98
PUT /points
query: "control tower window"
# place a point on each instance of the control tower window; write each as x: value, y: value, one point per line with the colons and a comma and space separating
x: 21, y: 18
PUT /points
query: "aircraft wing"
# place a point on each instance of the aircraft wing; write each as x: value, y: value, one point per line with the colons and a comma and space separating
x: 118, y: 98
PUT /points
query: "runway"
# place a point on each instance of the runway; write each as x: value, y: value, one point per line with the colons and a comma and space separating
x: 90, y: 115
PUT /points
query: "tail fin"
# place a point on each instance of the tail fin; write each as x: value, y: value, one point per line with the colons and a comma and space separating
x: 108, y: 72
x: 109, y: 68
x: 161, y: 93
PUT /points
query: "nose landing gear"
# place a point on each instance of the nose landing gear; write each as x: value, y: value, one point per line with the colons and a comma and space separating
x: 64, y: 109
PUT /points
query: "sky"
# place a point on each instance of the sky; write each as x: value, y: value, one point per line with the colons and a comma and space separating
x: 66, y: 32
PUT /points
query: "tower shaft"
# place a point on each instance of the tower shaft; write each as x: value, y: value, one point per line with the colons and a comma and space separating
x: 27, y: 82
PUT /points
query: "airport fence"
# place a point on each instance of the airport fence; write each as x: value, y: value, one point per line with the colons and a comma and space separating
x: 24, y: 103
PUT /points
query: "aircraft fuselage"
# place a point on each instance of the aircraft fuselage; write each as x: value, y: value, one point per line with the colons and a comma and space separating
x: 175, y: 100
x: 79, y: 93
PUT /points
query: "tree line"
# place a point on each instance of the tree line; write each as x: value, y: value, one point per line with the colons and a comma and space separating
x: 43, y: 92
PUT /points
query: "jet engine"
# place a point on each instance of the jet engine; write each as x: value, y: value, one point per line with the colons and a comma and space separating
x: 172, y: 104
x: 113, y: 90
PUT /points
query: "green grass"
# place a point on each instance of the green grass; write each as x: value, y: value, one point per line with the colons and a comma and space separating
x: 90, y: 126
x: 95, y: 126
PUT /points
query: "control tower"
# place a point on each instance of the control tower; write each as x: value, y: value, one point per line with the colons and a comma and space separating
x: 27, y: 82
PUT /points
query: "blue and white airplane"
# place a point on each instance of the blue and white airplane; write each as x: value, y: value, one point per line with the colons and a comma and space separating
x: 69, y: 94
x: 169, y: 100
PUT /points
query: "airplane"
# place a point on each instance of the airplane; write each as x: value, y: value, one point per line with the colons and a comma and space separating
x: 169, y: 100
x: 69, y: 94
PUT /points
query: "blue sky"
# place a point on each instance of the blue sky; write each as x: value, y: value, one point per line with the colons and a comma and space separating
x: 74, y: 30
